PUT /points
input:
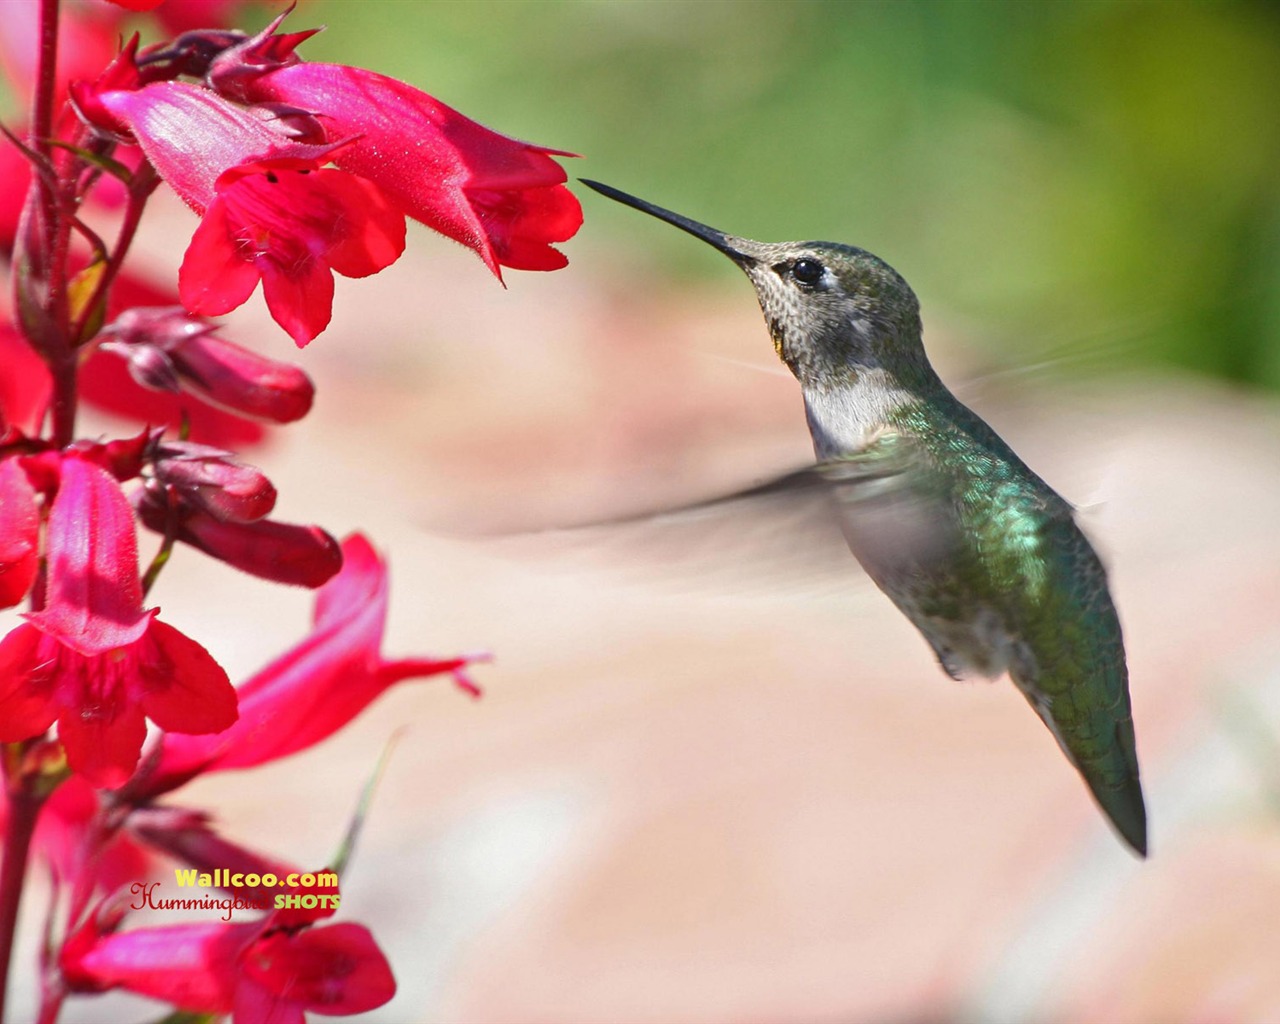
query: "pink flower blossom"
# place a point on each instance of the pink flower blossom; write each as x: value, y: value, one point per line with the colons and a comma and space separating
x: 313, y: 689
x: 92, y: 659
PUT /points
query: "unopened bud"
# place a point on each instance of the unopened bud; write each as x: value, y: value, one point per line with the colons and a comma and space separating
x: 148, y: 365
x: 226, y: 375
x: 217, y: 483
x: 168, y: 349
x: 121, y: 73
x: 283, y: 552
x: 192, y: 52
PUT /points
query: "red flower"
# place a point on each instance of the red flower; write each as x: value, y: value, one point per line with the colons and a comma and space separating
x: 312, y: 690
x: 269, y: 212
x: 19, y: 533
x: 257, y: 972
x: 504, y: 198
x: 92, y: 658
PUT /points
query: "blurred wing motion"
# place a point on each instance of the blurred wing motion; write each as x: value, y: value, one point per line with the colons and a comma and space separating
x: 781, y: 534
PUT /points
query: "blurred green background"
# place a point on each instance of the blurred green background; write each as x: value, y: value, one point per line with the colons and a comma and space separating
x: 1096, y: 185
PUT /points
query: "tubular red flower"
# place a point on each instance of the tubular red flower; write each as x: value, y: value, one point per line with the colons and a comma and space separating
x: 504, y: 198
x: 312, y: 690
x: 93, y: 659
x: 270, y: 212
x: 19, y: 533
x: 256, y: 973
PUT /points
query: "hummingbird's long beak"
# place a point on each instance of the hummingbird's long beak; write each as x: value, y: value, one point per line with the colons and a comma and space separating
x: 730, y: 245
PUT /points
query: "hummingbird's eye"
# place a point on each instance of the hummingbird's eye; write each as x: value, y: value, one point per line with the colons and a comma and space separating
x: 807, y: 271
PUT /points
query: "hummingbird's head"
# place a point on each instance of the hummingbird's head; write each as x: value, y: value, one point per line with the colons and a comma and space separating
x: 834, y: 311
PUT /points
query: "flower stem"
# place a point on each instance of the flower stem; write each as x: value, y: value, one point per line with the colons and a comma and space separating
x: 145, y: 181
x: 54, y: 231
x: 24, y: 809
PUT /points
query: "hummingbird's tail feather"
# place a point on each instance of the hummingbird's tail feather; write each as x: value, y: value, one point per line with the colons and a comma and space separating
x: 1124, y: 806
x: 1112, y: 777
x: 1103, y: 750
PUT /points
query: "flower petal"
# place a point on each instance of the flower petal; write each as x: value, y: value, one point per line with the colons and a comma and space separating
x: 183, y: 688
x: 19, y: 533
x: 374, y: 231
x: 94, y: 597
x: 291, y: 223
x: 300, y: 298
x: 27, y: 706
x: 103, y: 745
x: 214, y: 278
x: 256, y: 1005
x: 192, y: 135
x: 333, y: 969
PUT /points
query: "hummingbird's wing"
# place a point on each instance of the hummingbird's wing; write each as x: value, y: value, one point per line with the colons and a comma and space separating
x: 893, y: 507
x: 783, y: 532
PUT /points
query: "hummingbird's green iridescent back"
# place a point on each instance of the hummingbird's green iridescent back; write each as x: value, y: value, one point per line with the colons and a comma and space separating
x: 979, y: 553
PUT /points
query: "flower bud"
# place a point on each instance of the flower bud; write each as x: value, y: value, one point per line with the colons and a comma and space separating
x: 252, y: 56
x: 192, y: 52
x: 234, y: 378
x: 186, y: 836
x: 168, y: 349
x: 283, y: 552
x: 159, y: 326
x: 121, y: 73
x: 148, y: 365
x: 213, y: 481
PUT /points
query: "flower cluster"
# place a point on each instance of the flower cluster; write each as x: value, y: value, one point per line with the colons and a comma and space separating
x: 297, y: 170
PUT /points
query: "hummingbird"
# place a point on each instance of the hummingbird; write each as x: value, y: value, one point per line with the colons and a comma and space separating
x: 980, y: 554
